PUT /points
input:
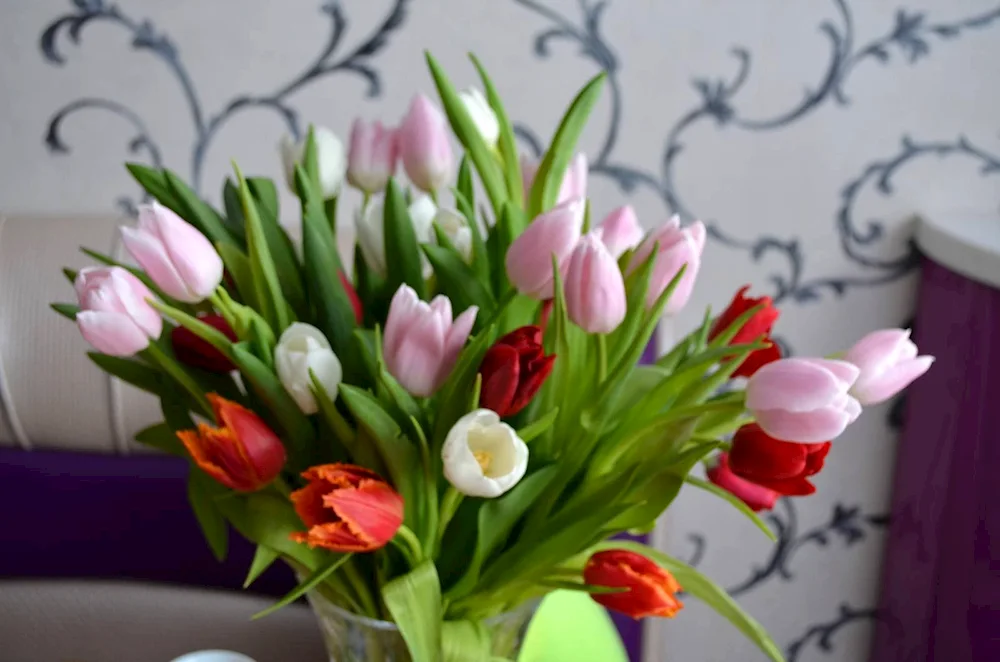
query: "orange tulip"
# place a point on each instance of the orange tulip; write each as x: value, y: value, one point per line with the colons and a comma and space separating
x: 347, y: 509
x: 242, y: 453
x: 650, y: 591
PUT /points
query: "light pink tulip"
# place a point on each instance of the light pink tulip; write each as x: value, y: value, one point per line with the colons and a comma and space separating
x: 595, y: 289
x: 115, y: 316
x: 574, y: 183
x: 888, y: 362
x: 529, y: 258
x: 803, y: 399
x: 421, y: 342
x: 424, y: 145
x: 620, y: 231
x: 371, y: 160
x: 180, y: 259
x: 677, y: 247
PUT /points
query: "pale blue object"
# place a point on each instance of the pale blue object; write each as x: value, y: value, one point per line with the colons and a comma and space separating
x: 214, y: 656
x: 569, y: 625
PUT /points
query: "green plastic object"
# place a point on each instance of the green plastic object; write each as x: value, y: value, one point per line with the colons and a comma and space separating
x: 570, y: 626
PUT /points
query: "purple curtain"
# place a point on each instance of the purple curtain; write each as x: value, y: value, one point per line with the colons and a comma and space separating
x: 941, y: 579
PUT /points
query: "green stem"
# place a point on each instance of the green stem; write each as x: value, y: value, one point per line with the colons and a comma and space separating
x: 170, y: 366
x: 410, y: 544
x: 602, y: 358
x: 360, y: 589
x: 449, y: 506
x: 434, y: 195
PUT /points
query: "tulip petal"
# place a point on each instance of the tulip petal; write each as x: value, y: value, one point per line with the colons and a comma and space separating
x: 189, y: 251
x: 455, y: 340
x: 416, y: 359
x: 846, y: 372
x: 111, y: 333
x: 755, y: 496
x: 373, y: 510
x: 501, y: 370
x: 595, y: 289
x: 878, y: 350
x: 820, y: 424
x: 529, y: 258
x: 795, y: 384
x: 892, y: 381
x: 151, y: 255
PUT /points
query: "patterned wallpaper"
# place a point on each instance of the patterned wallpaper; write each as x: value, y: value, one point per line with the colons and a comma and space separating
x: 805, y: 134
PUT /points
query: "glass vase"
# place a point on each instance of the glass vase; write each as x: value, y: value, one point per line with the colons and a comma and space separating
x: 352, y: 638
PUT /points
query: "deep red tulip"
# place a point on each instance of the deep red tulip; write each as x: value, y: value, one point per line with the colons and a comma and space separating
x: 242, y: 453
x: 757, y: 497
x: 782, y: 466
x: 758, y: 325
x: 195, y: 352
x: 650, y: 591
x: 352, y: 294
x: 347, y: 509
x: 513, y: 370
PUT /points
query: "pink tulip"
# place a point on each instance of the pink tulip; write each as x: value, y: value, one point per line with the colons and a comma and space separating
x: 888, y: 362
x: 371, y: 160
x: 180, y: 259
x: 595, y: 289
x: 424, y: 145
x: 620, y: 231
x: 529, y: 258
x: 115, y: 316
x: 421, y: 342
x: 803, y: 400
x: 677, y: 247
x: 574, y: 183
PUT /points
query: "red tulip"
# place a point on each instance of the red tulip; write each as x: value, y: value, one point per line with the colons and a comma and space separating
x: 757, y: 497
x: 782, y: 466
x: 242, y: 453
x: 513, y: 370
x: 193, y: 351
x: 650, y: 591
x: 758, y: 325
x: 347, y: 509
x: 352, y: 295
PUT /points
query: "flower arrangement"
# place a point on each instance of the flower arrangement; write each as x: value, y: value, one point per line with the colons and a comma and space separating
x: 460, y: 424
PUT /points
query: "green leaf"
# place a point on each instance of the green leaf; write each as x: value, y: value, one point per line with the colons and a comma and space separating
x: 135, y: 373
x: 726, y: 335
x: 266, y: 285
x: 414, y: 601
x: 234, y: 211
x: 734, y: 501
x: 569, y: 585
x: 539, y: 426
x: 500, y: 239
x: 238, y: 265
x: 279, y: 245
x: 462, y: 641
x: 195, y: 210
x: 507, y: 145
x: 704, y: 589
x: 263, y: 559
x: 468, y: 134
x: 268, y: 520
x: 310, y: 159
x: 361, y: 453
x: 162, y: 437
x: 453, y: 402
x: 154, y: 182
x: 206, y: 332
x: 480, y: 252
x: 551, y: 170
x: 201, y: 492
x: 315, y: 579
x: 402, y: 251
x: 67, y: 310
x: 458, y: 281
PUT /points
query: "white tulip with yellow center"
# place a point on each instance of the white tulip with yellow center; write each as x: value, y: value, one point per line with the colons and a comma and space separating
x: 483, y: 456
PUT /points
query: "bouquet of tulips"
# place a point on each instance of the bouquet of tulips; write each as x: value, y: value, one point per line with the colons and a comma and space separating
x: 459, y: 424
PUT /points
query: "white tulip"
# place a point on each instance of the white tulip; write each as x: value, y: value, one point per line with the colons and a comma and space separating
x: 482, y: 115
x: 482, y: 456
x: 457, y: 228
x: 330, y: 155
x: 371, y: 230
x: 302, y: 349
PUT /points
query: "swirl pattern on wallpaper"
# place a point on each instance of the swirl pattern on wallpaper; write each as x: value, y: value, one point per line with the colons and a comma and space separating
x: 872, y: 257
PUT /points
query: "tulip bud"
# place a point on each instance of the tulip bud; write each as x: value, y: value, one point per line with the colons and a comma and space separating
x: 529, y: 258
x: 457, y: 230
x: 115, y: 316
x: 371, y: 160
x: 651, y: 589
x: 301, y: 350
x: 482, y: 456
x: 755, y: 496
x: 352, y: 295
x: 196, y: 352
x: 425, y: 146
x: 421, y: 343
x: 677, y: 247
x: 620, y: 231
x: 329, y: 156
x: 757, y: 326
x: 573, y: 185
x: 595, y: 289
x: 370, y: 223
x: 888, y: 363
x: 242, y: 453
x: 513, y: 370
x: 482, y: 115
x: 803, y: 400
x: 180, y: 260
x: 782, y: 466
x: 347, y: 509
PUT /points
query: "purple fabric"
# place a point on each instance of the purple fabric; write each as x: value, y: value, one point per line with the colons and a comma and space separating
x: 940, y: 597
